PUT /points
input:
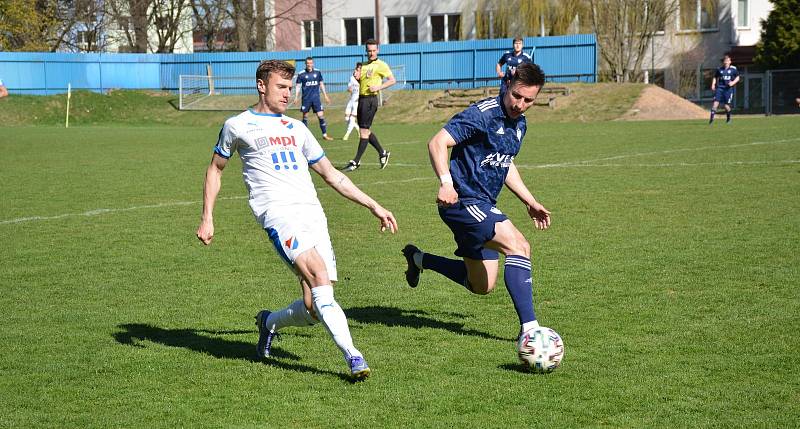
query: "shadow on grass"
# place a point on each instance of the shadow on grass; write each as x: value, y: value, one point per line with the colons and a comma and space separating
x: 392, y: 316
x: 206, y: 341
x: 515, y: 367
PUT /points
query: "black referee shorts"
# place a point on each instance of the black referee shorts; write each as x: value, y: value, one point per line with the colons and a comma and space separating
x: 367, y: 108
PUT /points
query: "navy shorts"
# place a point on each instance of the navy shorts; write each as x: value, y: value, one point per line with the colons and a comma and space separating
x: 472, y: 225
x: 724, y: 95
x: 310, y: 105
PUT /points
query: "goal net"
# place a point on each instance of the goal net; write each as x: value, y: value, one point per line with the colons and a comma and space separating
x: 197, y: 92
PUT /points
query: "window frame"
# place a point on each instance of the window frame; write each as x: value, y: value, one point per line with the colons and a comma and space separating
x: 698, y: 24
x: 359, y: 25
x: 316, y: 33
x: 403, y: 28
x: 747, y: 15
x: 446, y: 24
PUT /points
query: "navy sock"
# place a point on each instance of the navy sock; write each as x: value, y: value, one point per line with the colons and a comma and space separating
x: 323, y: 125
x: 305, y: 120
x: 728, y: 116
x: 520, y: 286
x: 453, y: 269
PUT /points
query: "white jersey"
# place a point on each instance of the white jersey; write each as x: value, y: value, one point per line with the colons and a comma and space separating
x: 353, y: 86
x: 276, y: 152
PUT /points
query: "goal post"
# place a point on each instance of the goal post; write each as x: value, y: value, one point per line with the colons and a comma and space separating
x: 208, y: 92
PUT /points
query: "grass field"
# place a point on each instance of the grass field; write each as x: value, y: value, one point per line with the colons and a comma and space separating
x: 671, y: 271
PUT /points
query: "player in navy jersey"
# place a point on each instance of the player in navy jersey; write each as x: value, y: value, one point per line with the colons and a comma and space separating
x: 309, y: 82
x: 484, y: 140
x: 725, y: 78
x: 512, y: 60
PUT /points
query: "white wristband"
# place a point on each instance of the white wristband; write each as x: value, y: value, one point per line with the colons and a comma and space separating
x: 446, y: 178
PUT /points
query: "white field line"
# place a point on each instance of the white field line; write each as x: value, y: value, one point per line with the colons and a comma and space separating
x: 585, y: 163
x: 97, y: 212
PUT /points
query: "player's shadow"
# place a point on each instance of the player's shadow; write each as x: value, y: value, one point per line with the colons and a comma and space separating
x: 210, y: 343
x: 393, y: 316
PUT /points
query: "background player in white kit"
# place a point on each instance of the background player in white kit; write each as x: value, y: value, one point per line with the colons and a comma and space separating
x: 276, y: 153
x: 352, y: 105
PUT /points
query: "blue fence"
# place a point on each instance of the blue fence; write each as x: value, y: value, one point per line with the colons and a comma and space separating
x: 464, y: 64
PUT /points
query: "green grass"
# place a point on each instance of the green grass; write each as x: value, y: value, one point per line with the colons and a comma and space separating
x: 671, y: 272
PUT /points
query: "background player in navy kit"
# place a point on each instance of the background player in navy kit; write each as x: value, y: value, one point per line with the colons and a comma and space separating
x: 484, y: 139
x: 725, y: 78
x: 512, y: 60
x: 310, y: 83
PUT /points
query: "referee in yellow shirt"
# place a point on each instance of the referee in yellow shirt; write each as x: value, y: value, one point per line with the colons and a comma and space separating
x: 373, y: 73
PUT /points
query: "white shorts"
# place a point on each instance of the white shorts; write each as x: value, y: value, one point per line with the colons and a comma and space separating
x: 294, y: 232
x: 352, y: 107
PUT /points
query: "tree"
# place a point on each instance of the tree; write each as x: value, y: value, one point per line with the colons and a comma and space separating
x: 519, y: 18
x: 211, y: 18
x: 26, y: 25
x: 137, y: 20
x: 779, y: 46
x: 625, y: 29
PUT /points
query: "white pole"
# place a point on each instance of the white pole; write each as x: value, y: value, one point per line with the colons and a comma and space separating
x: 69, y: 94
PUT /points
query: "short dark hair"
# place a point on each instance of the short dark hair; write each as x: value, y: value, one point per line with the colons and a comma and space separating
x: 726, y: 56
x: 282, y: 68
x: 358, y: 65
x: 309, y: 58
x: 371, y: 42
x: 528, y: 74
x: 518, y: 39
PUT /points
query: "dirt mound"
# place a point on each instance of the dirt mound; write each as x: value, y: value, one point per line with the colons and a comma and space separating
x: 656, y: 103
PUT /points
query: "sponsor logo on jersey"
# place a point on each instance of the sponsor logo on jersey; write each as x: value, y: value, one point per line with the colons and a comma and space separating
x: 291, y: 243
x: 497, y: 159
x: 282, y: 141
x: 501, y: 131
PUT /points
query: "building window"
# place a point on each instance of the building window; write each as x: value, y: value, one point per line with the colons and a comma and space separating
x: 698, y: 15
x: 85, y: 40
x: 742, y: 16
x: 445, y: 27
x: 402, y: 29
x: 312, y: 34
x: 358, y: 30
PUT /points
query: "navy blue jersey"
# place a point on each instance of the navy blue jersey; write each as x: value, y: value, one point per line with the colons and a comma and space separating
x: 487, y: 140
x: 725, y: 76
x: 512, y: 61
x: 309, y: 81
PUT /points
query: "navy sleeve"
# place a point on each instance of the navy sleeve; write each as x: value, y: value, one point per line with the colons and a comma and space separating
x: 503, y: 59
x: 465, y: 125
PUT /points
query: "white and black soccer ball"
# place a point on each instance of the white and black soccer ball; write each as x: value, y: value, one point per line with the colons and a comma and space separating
x: 540, y: 349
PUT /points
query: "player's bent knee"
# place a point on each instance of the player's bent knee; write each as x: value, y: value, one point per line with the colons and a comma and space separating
x: 480, y: 286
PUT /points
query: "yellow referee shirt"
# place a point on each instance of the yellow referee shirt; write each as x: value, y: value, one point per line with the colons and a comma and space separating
x: 373, y: 73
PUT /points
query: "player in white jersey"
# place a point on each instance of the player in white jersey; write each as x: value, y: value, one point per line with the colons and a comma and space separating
x: 352, y: 105
x: 276, y: 153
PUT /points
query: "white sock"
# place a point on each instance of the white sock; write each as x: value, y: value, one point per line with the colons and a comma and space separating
x: 527, y: 326
x: 295, y: 314
x: 352, y: 125
x: 334, y: 320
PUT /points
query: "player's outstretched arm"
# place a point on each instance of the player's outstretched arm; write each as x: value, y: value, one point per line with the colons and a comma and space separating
x: 205, y: 232
x: 438, y: 152
x: 537, y: 212
x: 344, y: 186
x: 499, y: 71
x: 296, y: 94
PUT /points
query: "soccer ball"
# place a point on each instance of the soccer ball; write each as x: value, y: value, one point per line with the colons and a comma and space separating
x: 540, y: 349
